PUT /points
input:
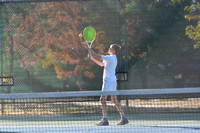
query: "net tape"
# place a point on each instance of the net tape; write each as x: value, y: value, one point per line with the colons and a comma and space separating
x: 135, y: 92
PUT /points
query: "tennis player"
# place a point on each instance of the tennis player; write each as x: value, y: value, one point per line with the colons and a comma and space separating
x: 109, y: 62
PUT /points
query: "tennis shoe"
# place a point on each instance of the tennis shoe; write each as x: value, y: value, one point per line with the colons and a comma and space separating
x: 123, y: 122
x: 103, y: 123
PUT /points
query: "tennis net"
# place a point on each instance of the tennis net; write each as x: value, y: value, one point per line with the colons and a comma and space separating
x: 77, y: 112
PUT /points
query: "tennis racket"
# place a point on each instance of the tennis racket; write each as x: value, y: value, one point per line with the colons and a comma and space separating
x: 89, y: 35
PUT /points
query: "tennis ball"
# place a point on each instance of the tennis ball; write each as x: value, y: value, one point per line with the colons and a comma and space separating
x: 80, y: 35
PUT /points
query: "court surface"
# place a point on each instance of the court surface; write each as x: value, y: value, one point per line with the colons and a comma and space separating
x: 84, y: 123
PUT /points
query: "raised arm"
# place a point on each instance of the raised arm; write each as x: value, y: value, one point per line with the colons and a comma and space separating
x: 96, y: 61
x: 94, y: 54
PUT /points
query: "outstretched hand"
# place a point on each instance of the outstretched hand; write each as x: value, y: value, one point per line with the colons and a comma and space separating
x: 89, y: 55
x: 85, y: 45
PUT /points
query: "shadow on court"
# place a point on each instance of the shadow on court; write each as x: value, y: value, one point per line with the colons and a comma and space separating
x: 193, y: 128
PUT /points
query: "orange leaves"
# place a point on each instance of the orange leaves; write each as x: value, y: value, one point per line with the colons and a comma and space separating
x: 78, y: 84
x: 59, y: 71
x: 47, y: 36
x: 89, y: 74
x: 142, y: 55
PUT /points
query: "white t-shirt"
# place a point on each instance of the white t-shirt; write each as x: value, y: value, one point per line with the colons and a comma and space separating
x: 110, y: 64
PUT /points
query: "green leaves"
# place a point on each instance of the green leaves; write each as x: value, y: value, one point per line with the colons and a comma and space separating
x: 193, y: 30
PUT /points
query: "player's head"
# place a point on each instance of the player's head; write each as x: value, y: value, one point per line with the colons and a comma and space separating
x: 114, y: 49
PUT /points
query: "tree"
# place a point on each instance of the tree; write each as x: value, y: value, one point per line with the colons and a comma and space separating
x: 48, y: 35
x: 193, y: 30
x: 157, y: 42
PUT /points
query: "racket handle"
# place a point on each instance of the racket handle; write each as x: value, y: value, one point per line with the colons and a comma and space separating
x: 89, y: 52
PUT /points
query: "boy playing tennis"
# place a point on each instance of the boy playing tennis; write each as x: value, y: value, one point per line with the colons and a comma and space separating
x: 109, y: 62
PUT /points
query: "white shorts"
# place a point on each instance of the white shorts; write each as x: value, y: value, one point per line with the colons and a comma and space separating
x: 109, y: 86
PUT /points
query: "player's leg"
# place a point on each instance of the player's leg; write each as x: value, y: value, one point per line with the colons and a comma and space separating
x: 104, y: 121
x: 123, y: 120
x: 104, y: 106
x: 117, y: 104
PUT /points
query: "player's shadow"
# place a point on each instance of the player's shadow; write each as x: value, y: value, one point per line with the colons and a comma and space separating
x: 183, y: 127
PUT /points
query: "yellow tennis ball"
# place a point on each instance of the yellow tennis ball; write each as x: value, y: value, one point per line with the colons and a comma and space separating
x: 80, y: 35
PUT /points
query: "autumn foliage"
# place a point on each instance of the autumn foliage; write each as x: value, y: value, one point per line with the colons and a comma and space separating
x: 48, y: 35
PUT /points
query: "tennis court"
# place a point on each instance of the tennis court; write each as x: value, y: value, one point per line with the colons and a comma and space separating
x: 49, y: 82
x: 76, y: 112
x: 158, y: 123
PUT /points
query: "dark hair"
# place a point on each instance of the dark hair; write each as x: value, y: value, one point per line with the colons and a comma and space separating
x: 116, y: 47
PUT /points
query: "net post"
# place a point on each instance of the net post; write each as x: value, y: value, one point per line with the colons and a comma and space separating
x: 11, y: 50
x: 126, y: 57
x: 1, y: 40
x: 126, y: 47
x: 2, y: 106
x: 11, y: 59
